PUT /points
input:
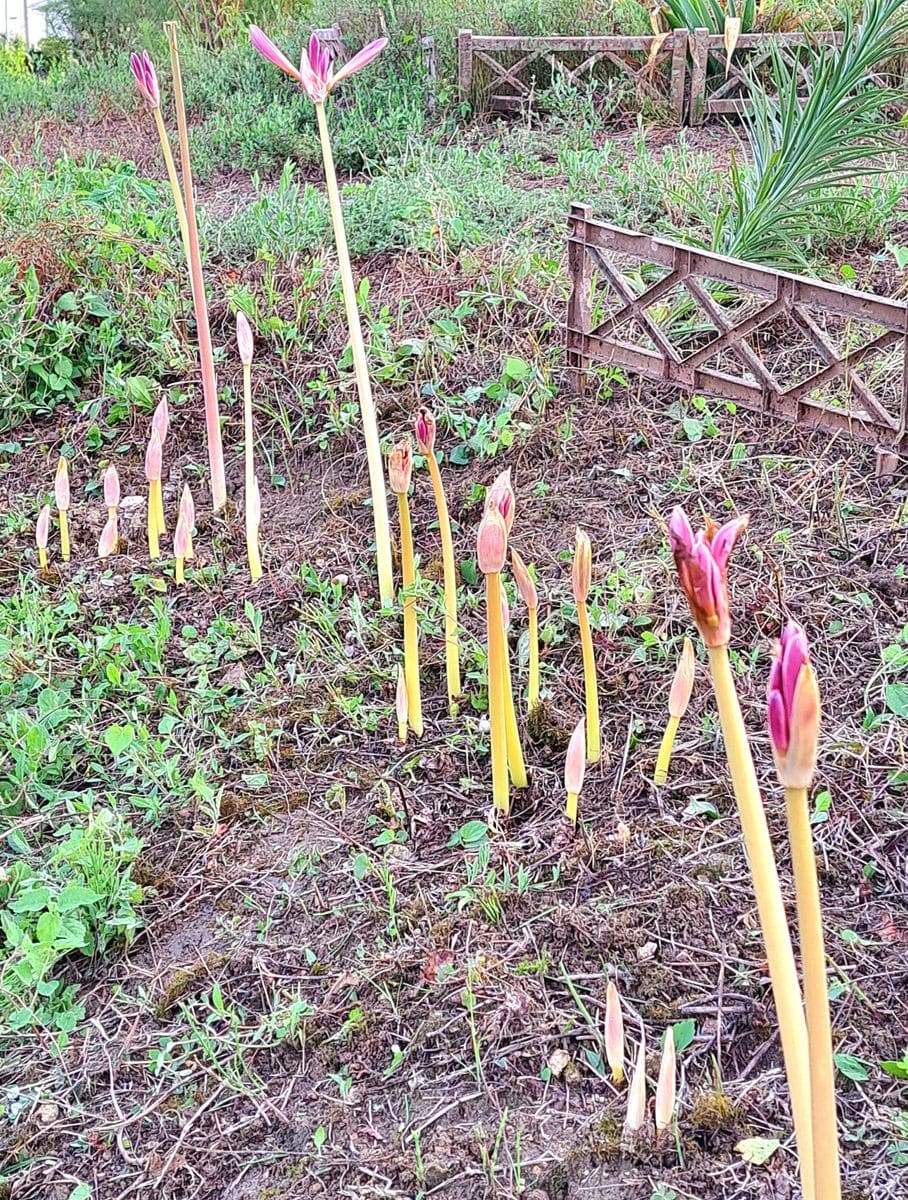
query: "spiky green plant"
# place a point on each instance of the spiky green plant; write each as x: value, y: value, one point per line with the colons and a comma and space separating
x: 708, y: 14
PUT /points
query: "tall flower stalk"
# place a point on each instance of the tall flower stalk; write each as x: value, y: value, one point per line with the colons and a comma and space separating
x: 425, y: 439
x: 491, y: 554
x: 399, y: 471
x: 246, y: 347
x: 61, y: 497
x: 580, y: 582
x: 702, y: 562
x: 500, y: 499
x: 147, y: 84
x: 793, y: 711
x: 530, y: 597
x: 317, y: 80
x: 199, y: 300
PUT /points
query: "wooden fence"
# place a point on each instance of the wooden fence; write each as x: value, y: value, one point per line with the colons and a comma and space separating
x: 662, y: 80
x: 809, y: 352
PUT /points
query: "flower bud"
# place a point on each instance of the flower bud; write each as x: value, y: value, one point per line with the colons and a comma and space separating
x: 146, y: 78
x: 683, y: 683
x: 424, y: 426
x: 614, y: 1021
x: 181, y: 538
x: 702, y: 562
x: 665, y: 1088
x: 575, y: 762
x: 524, y: 580
x: 636, y: 1097
x: 109, y: 538
x: 160, y: 422
x: 582, y: 566
x: 111, y: 487
x: 187, y: 508
x: 42, y: 527
x: 400, y: 467
x: 244, y: 338
x: 500, y: 497
x: 491, y: 543
x: 793, y: 710
x: 61, y: 485
x: 153, y: 457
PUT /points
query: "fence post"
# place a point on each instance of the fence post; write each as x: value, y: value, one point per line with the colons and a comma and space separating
x: 332, y: 40
x: 465, y: 64
x: 578, y: 305
x: 699, y: 54
x: 679, y: 73
x: 430, y: 65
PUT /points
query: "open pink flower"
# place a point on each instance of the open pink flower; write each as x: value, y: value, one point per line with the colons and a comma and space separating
x: 315, y: 74
x: 702, y: 562
x: 793, y: 709
x: 146, y: 78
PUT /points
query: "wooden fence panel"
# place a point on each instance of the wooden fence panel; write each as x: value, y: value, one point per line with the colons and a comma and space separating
x: 809, y: 352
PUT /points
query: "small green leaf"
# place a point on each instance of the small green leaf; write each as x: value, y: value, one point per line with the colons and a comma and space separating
x: 897, y: 698
x: 684, y: 1033
x: 851, y: 1067
x: 119, y: 738
x: 702, y: 808
x: 757, y: 1150
x: 74, y: 895
x: 473, y: 834
x: 896, y: 1067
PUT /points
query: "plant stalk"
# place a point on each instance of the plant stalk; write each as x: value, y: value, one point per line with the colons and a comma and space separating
x: 252, y: 533
x: 570, y: 809
x: 452, y: 650
x: 361, y: 371
x: 154, y: 549
x: 179, y: 570
x: 411, y: 637
x: 773, y: 921
x: 593, y: 743
x: 660, y: 774
x: 816, y: 997
x: 533, y: 634
x: 200, y: 303
x: 64, y: 535
x: 498, y: 736
x: 174, y: 181
x: 516, y: 765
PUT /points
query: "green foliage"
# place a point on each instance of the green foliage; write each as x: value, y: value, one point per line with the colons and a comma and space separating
x: 708, y: 14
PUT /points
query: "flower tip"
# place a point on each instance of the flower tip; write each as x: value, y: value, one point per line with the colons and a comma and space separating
x: 244, y: 338
x: 582, y: 566
x: 525, y: 584
x: 160, y: 421
x: 424, y: 427
x: 400, y: 467
x: 42, y: 527
x: 111, y: 487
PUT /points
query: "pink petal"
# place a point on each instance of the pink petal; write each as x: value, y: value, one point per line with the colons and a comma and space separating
x: 777, y: 721
x: 268, y: 50
x: 795, y: 653
x: 315, y: 56
x: 680, y: 532
x: 358, y: 61
x: 724, y: 541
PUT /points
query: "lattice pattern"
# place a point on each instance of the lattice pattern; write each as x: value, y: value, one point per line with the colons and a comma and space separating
x: 809, y: 352
x: 510, y: 81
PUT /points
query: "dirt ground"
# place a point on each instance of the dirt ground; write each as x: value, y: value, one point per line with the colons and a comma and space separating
x: 433, y: 993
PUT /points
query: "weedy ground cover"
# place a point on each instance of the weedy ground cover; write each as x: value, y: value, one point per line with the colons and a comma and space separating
x: 253, y: 944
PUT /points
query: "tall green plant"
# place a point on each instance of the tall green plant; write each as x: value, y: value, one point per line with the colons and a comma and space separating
x: 708, y: 14
x: 799, y: 149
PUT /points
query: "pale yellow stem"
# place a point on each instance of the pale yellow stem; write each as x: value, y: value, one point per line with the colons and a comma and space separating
x: 533, y: 690
x: 516, y: 764
x: 112, y: 514
x: 154, y: 549
x: 179, y: 570
x: 64, y: 535
x: 411, y: 635
x: 570, y: 809
x: 774, y: 923
x: 159, y: 501
x: 361, y: 371
x: 252, y: 531
x: 42, y: 558
x: 816, y: 997
x: 200, y: 302
x: 174, y: 180
x: 402, y: 731
x: 498, y: 736
x: 452, y: 652
x: 665, y: 751
x: 593, y: 744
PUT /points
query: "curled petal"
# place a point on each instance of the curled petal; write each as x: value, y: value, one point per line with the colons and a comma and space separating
x: 723, y: 541
x: 794, y: 654
x: 359, y: 60
x: 777, y: 721
x: 680, y: 532
x: 268, y: 50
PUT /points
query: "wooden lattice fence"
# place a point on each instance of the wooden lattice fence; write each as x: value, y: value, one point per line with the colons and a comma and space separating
x: 508, y: 61
x: 777, y: 343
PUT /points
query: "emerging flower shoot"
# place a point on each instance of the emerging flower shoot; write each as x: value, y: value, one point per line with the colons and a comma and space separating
x: 187, y: 515
x: 527, y: 589
x: 153, y: 457
x: 400, y: 704
x: 574, y: 768
x: 160, y: 423
x: 424, y: 426
x: 614, y: 1032
x: 42, y: 531
x: 580, y: 581
x: 678, y: 700
x: 665, y: 1088
x: 400, y: 467
x: 317, y: 79
x: 181, y: 539
x: 110, y: 536
x: 491, y: 553
x: 110, y: 540
x: 245, y: 347
x: 61, y: 497
x: 636, y: 1096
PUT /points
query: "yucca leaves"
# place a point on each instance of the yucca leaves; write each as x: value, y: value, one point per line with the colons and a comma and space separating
x: 709, y: 14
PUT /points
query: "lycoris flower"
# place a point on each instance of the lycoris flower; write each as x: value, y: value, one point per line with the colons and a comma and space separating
x: 702, y: 562
x: 500, y: 497
x: 244, y: 339
x: 491, y: 543
x: 400, y: 467
x: 146, y: 78
x: 111, y: 487
x: 582, y: 566
x: 793, y: 710
x: 424, y: 427
x: 315, y: 75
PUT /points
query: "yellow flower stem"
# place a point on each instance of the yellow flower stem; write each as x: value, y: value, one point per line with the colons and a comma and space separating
x: 533, y: 690
x: 174, y: 180
x: 593, y: 744
x: 570, y: 809
x: 154, y: 549
x: 816, y: 997
x: 411, y: 640
x: 159, y: 501
x: 42, y: 558
x: 773, y: 921
x: 402, y: 731
x: 498, y: 736
x: 64, y: 535
x: 360, y: 370
x: 179, y: 570
x: 112, y: 514
x: 665, y: 751
x: 252, y: 533
x: 516, y: 764
x: 452, y: 651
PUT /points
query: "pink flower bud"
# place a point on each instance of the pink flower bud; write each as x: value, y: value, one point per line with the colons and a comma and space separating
x: 575, y: 762
x: 665, y: 1088
x: 160, y: 421
x: 793, y: 709
x: 424, y: 425
x: 61, y: 485
x: 153, y: 457
x: 614, y: 1021
x: 582, y: 567
x: 683, y: 683
x: 636, y: 1097
x: 702, y: 562
x: 109, y: 539
x: 400, y: 467
x: 42, y: 527
x: 491, y: 543
x: 111, y: 487
x: 500, y: 497
x: 181, y: 538
x: 244, y: 338
x: 187, y: 508
x: 146, y: 79
x: 524, y: 580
